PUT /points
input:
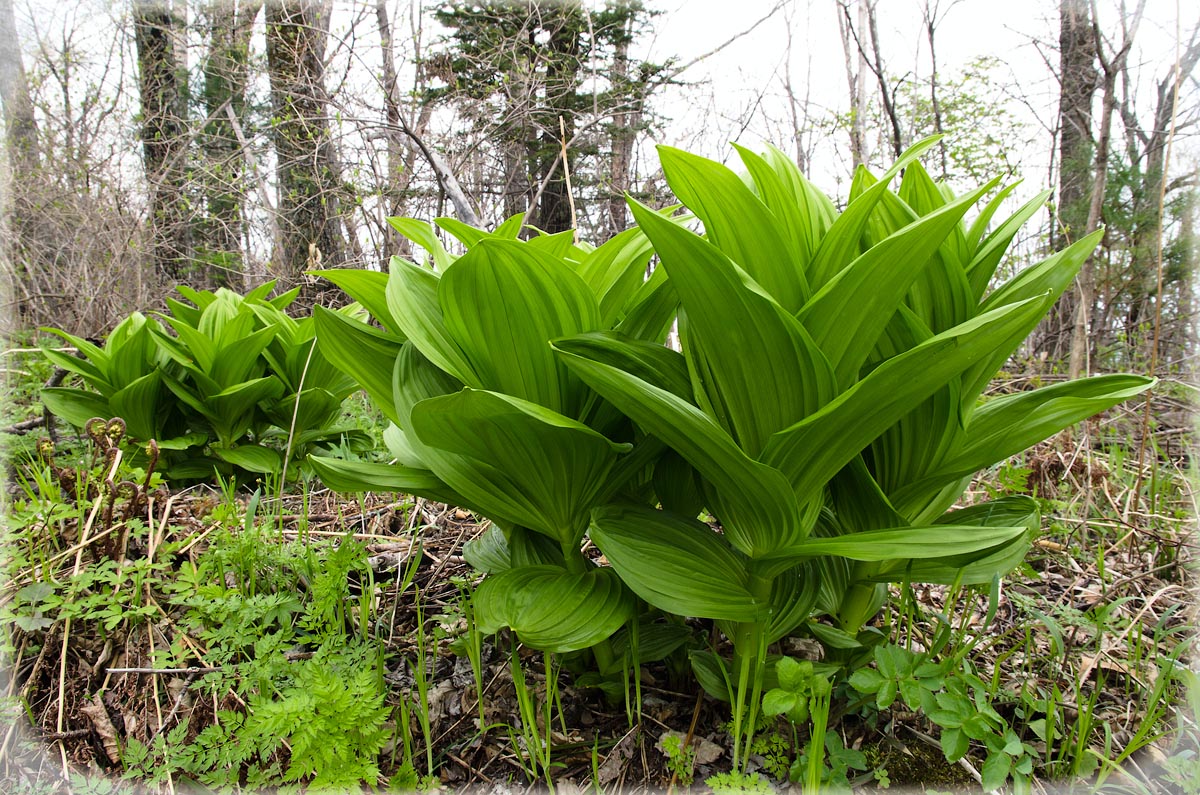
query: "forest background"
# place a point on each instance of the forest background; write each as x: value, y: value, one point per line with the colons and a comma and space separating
x: 227, y: 143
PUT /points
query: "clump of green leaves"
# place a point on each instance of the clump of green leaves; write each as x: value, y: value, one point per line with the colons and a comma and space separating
x: 225, y: 383
x: 826, y: 408
x: 957, y: 701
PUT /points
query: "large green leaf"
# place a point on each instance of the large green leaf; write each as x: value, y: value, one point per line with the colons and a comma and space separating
x: 235, y: 361
x: 753, y: 501
x: 90, y: 373
x: 615, y: 270
x: 356, y: 476
x: 76, y: 406
x: 987, y: 257
x: 465, y: 233
x: 368, y: 288
x: 502, y: 303
x: 676, y: 564
x: 743, y: 345
x: 251, y: 457
x: 974, y: 568
x: 653, y: 363
x: 1007, y: 425
x: 737, y: 223
x: 1047, y: 279
x: 536, y: 467
x: 847, y: 315
x: 840, y: 244
x: 421, y: 233
x: 780, y: 198
x: 552, y: 609
x: 412, y: 297
x: 810, y: 452
x: 365, y: 354
x: 139, y: 404
x: 902, y: 543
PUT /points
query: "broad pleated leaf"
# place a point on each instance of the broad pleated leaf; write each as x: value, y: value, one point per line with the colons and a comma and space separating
x: 737, y: 223
x: 812, y: 204
x: 560, y: 245
x: 511, y: 227
x: 251, y: 457
x: 355, y: 476
x: 848, y: 314
x: 139, y: 404
x: 986, y: 259
x: 465, y: 233
x: 550, y: 468
x: 755, y: 504
x: 421, y: 233
x: 364, y: 353
x: 553, y: 609
x: 781, y: 200
x: 675, y: 564
x: 1007, y: 425
x: 1048, y: 279
x: 368, y: 288
x: 236, y: 361
x: 412, y: 297
x: 615, y: 270
x: 90, y: 373
x: 840, y: 244
x: 930, y: 541
x: 810, y: 452
x: 653, y: 363
x: 651, y: 312
x: 502, y: 303
x: 748, y: 346
x: 489, y: 551
x: 974, y: 568
x: 76, y: 406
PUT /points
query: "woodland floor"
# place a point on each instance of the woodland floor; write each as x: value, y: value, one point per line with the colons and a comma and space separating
x: 1124, y: 563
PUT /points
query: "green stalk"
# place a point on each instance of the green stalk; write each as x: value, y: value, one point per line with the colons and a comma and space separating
x: 819, y: 708
x: 749, y: 655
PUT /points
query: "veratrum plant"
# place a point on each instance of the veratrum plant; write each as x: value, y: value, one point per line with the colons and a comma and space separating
x: 227, y: 380
x: 832, y: 406
x: 127, y: 376
x: 487, y: 417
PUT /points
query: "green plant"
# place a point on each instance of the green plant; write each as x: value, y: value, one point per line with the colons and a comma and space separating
x: 236, y: 373
x: 126, y: 377
x: 958, y: 702
x: 831, y: 408
x: 802, y: 694
x: 485, y: 416
x: 738, y: 783
x: 681, y: 759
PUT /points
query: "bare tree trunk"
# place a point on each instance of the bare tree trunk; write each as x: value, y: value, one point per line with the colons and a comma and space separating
x: 1078, y: 80
x: 19, y: 121
x: 856, y: 80
x: 625, y: 122
x: 391, y: 106
x: 885, y: 91
x: 553, y: 213
x: 226, y: 73
x: 24, y: 164
x: 164, y: 144
x: 1085, y: 282
x: 308, y: 192
x: 930, y: 15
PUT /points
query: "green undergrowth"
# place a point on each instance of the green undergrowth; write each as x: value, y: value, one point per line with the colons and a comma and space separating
x: 294, y: 651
